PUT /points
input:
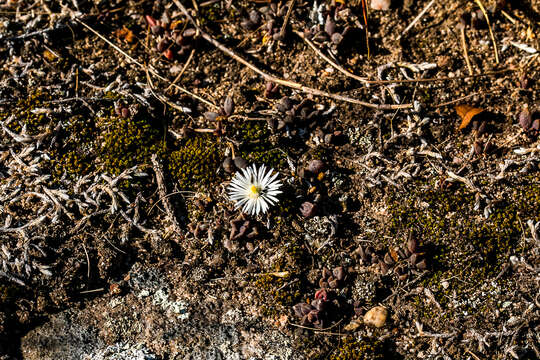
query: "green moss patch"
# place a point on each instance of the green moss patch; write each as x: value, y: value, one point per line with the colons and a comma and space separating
x: 364, y: 349
x: 127, y: 142
x: 257, y: 147
x: 195, y: 163
x: 26, y: 114
x: 458, y: 239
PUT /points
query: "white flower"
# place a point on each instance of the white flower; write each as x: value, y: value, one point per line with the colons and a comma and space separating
x: 254, y: 190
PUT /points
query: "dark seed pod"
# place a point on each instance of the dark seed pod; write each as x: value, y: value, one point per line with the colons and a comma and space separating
x: 228, y: 106
x: 211, y: 116
x: 337, y: 38
x: 284, y: 104
x: 536, y: 125
x: 302, y: 309
x: 525, y: 119
x: 489, y: 147
x: 383, y: 267
x: 253, y: 233
x: 179, y: 40
x: 308, y: 209
x: 482, y: 128
x: 240, y: 162
x: 315, y: 166
x: 374, y: 258
x: 358, y: 311
x: 334, y: 283
x: 326, y: 273
x: 228, y: 164
x: 388, y: 259
x: 162, y: 45
x: 370, y: 251
x: 362, y: 254
x: 247, y: 24
x: 412, y: 246
x: 318, y: 304
x: 156, y: 30
x: 402, y: 273
x: 189, y: 32
x: 478, y: 147
x: 272, y: 123
x: 125, y: 112
x: 329, y: 26
x: 421, y: 265
x: 524, y: 81
x: 339, y: 273
x: 254, y: 17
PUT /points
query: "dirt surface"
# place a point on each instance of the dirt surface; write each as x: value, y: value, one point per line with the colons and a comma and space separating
x: 407, y: 229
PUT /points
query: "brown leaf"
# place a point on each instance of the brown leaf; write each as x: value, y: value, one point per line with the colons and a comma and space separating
x: 466, y: 113
x: 125, y: 34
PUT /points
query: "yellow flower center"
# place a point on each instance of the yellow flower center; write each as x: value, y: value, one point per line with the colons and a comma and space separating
x: 254, y: 191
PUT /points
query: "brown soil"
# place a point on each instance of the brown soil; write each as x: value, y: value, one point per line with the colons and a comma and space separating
x: 440, y: 226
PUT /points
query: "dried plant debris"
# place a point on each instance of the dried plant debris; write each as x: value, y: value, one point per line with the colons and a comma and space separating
x: 404, y: 231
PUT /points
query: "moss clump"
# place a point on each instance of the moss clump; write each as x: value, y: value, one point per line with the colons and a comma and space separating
x: 257, y: 147
x: 196, y: 162
x: 76, y: 156
x: 451, y: 230
x: 365, y: 349
x: 127, y: 142
x: 8, y: 293
x: 277, y: 292
x: 73, y: 164
x: 25, y: 114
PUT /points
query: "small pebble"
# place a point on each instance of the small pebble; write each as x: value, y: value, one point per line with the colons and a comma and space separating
x: 376, y: 316
x: 381, y: 4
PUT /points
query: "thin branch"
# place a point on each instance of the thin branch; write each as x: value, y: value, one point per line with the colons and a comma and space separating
x: 330, y: 61
x: 160, y: 179
x: 152, y: 71
x: 283, y: 82
x: 464, y: 47
x: 286, y: 20
x: 490, y: 31
x: 403, y: 81
x: 416, y: 19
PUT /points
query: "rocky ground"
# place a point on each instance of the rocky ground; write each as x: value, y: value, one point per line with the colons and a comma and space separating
x: 408, y: 226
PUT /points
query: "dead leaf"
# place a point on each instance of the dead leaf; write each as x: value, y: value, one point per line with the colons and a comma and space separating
x: 466, y: 113
x: 125, y: 34
x: 49, y: 55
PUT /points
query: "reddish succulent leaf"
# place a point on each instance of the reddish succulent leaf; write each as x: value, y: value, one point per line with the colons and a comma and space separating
x: 466, y: 113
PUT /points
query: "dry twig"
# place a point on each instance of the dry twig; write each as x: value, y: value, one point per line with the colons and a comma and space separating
x: 416, y: 19
x: 490, y: 30
x: 158, y: 169
x: 283, y: 82
x: 151, y: 70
